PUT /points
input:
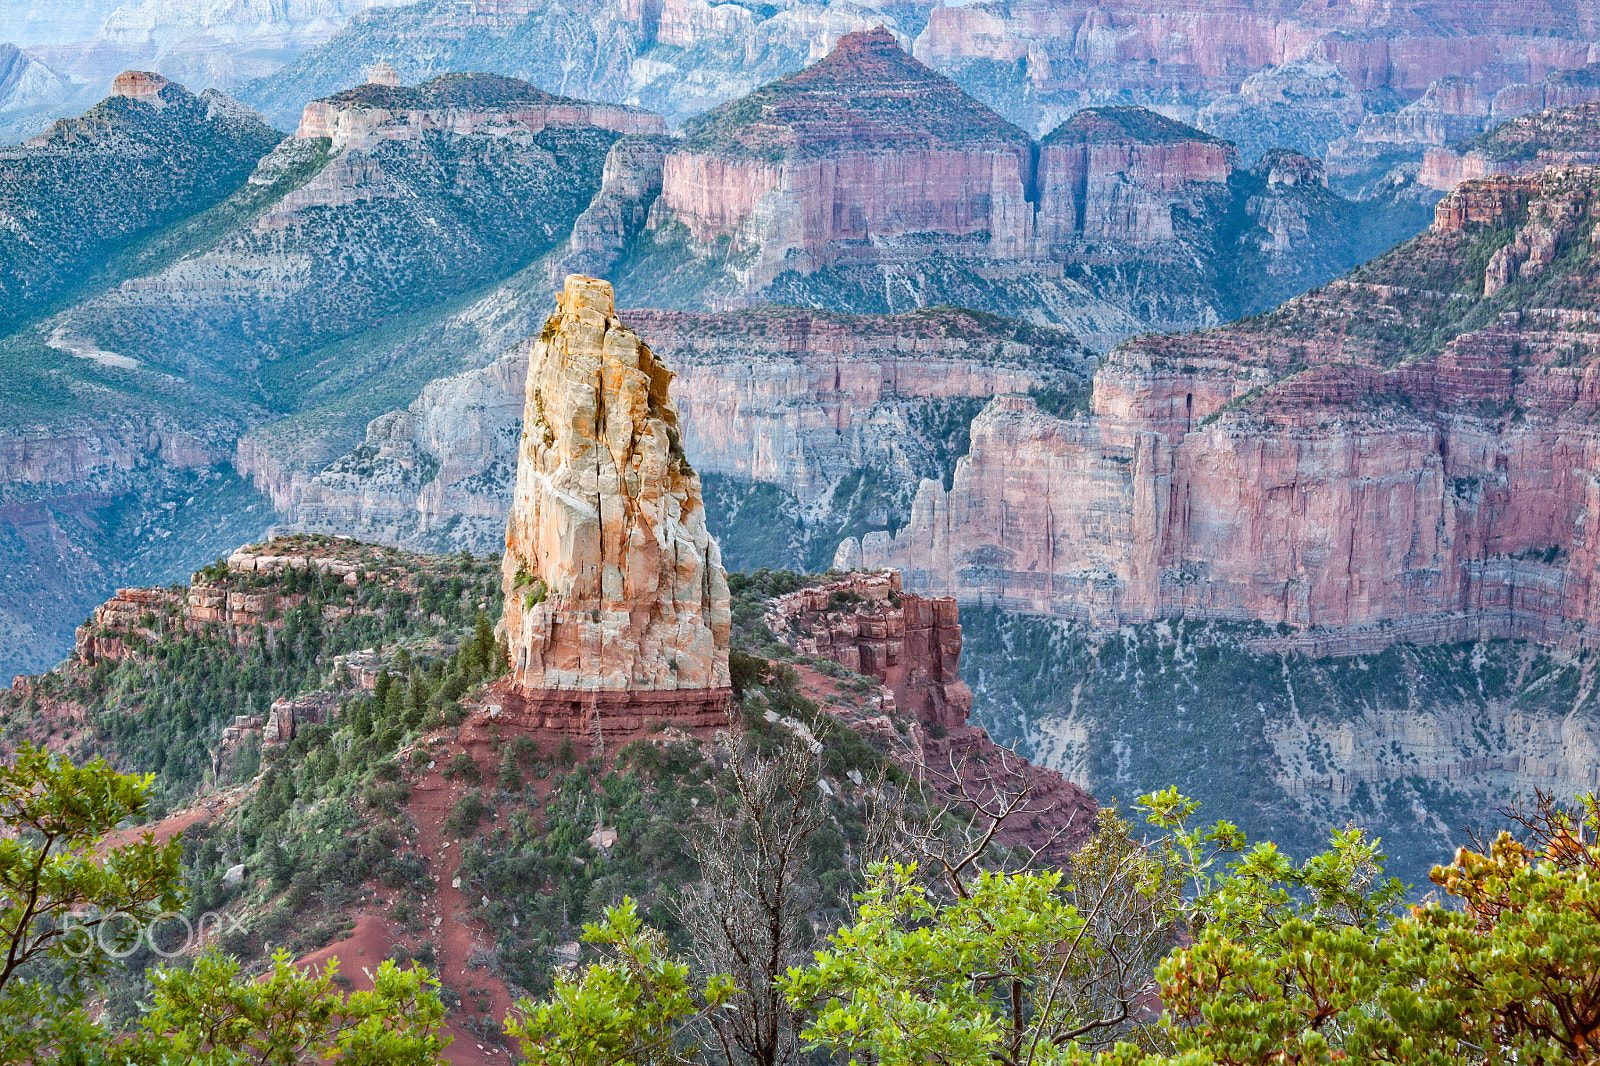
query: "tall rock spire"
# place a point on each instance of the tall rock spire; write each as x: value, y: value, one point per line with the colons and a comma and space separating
x: 614, y: 588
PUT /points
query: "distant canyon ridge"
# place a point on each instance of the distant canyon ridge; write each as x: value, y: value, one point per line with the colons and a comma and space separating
x: 1358, y: 85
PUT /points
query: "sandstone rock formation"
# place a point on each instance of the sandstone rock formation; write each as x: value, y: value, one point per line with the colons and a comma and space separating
x: 615, y: 592
x: 912, y: 647
x: 1332, y: 467
x: 866, y: 623
x: 1525, y: 145
x: 866, y: 143
x: 869, y: 182
x: 794, y: 399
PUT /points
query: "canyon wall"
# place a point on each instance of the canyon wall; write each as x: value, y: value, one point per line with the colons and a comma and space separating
x: 1311, y: 76
x: 1418, y: 744
x: 1293, y: 75
x: 869, y: 182
x: 459, y: 105
x: 1104, y: 178
x: 1302, y: 469
x: 865, y: 143
x: 1526, y: 145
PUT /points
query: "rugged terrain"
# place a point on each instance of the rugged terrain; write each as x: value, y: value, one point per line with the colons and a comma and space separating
x: 1525, y: 145
x: 72, y: 51
x: 329, y: 728
x: 803, y: 426
x: 870, y: 183
x: 1366, y: 85
x: 147, y: 156
x: 1402, y: 448
x: 1250, y: 518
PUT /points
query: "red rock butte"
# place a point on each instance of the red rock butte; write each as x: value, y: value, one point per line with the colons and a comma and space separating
x: 616, y: 604
x: 139, y: 85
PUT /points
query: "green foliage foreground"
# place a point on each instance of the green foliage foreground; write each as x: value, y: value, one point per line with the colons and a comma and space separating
x: 1269, y: 962
x: 1191, y: 947
x: 67, y: 910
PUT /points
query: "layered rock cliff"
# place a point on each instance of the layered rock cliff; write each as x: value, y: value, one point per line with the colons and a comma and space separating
x: 865, y: 144
x: 802, y: 423
x: 871, y: 183
x: 1451, y: 110
x: 1291, y: 75
x: 1416, y: 743
x: 81, y: 46
x: 1299, y: 76
x: 1397, y: 456
x: 459, y: 105
x: 612, y: 584
x: 1525, y: 145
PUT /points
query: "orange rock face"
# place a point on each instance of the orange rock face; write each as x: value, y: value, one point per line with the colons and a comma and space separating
x: 613, y: 586
x: 1302, y: 470
x: 912, y: 646
x: 139, y: 85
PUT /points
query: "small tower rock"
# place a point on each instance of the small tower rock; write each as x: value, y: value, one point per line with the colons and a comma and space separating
x: 616, y: 601
x: 382, y: 73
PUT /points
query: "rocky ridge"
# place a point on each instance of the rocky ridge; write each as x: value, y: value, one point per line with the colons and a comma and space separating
x: 911, y: 647
x: 614, y: 590
x: 1296, y: 76
x: 459, y: 105
x: 1525, y: 145
x: 377, y: 226
x: 149, y: 155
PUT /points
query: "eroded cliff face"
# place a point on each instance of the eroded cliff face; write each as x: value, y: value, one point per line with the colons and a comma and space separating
x: 1525, y: 145
x: 867, y: 142
x: 675, y: 57
x: 870, y: 183
x: 1297, y: 76
x: 1326, y: 467
x: 460, y: 105
x: 792, y: 402
x: 1291, y: 75
x: 911, y: 647
x: 1416, y: 743
x: 612, y: 582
